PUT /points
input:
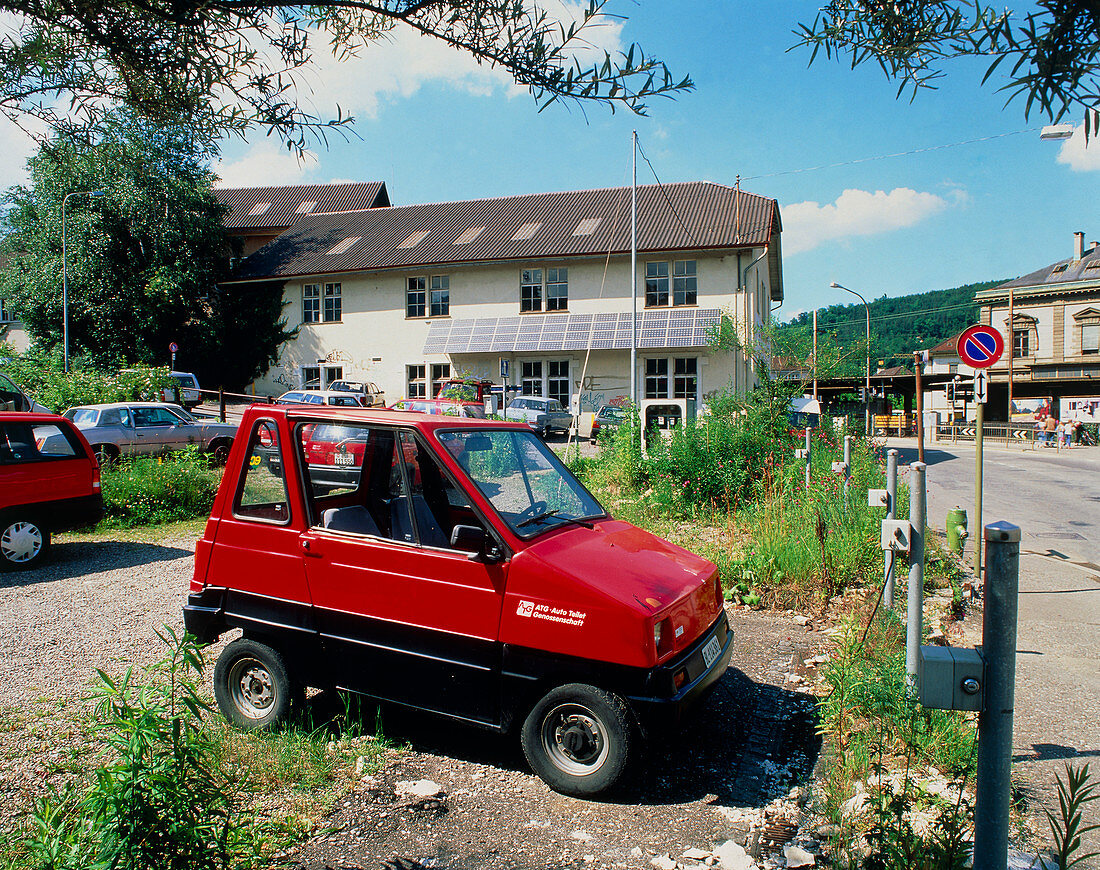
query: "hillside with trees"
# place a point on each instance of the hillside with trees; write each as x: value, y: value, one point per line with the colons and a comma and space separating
x: 899, y: 325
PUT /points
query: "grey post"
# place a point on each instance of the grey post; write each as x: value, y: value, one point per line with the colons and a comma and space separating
x: 994, y: 779
x: 847, y: 467
x: 914, y: 620
x: 891, y: 512
x: 808, y: 448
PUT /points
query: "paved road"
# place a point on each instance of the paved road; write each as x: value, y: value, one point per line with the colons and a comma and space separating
x: 1055, y: 499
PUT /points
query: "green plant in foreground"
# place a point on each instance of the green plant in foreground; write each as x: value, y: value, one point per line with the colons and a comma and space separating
x: 146, y: 490
x: 159, y: 799
x: 1067, y: 827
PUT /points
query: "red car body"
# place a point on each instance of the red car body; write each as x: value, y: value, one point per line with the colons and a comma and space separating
x: 49, y: 482
x: 479, y: 633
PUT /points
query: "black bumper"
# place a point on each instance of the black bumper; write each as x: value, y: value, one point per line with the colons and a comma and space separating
x: 664, y: 703
x: 204, y: 614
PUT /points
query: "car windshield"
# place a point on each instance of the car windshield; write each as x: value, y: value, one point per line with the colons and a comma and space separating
x: 610, y: 412
x: 82, y: 416
x: 526, y: 483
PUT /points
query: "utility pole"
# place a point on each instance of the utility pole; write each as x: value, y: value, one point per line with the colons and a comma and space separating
x: 918, y: 364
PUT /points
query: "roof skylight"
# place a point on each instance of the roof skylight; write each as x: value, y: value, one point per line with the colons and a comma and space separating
x: 527, y: 231
x: 306, y: 207
x: 469, y: 235
x: 587, y: 227
x: 415, y: 239
x: 259, y: 208
x: 344, y: 245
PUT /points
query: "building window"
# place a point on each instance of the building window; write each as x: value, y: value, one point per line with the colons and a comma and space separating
x: 416, y: 382
x: 1090, y: 338
x: 441, y: 296
x: 558, y: 381
x: 557, y: 289
x: 440, y: 373
x: 531, y: 380
x: 333, y: 373
x: 685, y: 378
x: 333, y: 306
x: 5, y: 312
x: 310, y: 373
x: 1021, y: 343
x: 656, y: 378
x: 311, y: 303
x: 683, y: 282
x: 530, y: 290
x: 416, y: 298
x: 656, y: 286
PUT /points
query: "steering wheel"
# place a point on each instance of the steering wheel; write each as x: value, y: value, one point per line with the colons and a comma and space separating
x: 531, y: 512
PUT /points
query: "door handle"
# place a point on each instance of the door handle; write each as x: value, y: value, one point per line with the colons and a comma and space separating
x: 309, y: 547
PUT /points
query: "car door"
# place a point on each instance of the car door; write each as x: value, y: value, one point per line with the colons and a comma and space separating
x: 403, y: 616
x: 155, y: 430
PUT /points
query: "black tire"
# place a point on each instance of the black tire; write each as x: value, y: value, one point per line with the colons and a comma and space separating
x: 105, y: 454
x: 219, y: 453
x: 252, y: 685
x: 580, y: 740
x: 24, y: 542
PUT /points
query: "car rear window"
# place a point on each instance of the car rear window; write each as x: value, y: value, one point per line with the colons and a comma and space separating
x: 83, y: 416
x: 36, y: 442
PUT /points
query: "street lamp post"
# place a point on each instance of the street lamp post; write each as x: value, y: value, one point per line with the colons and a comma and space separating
x: 867, y: 386
x: 65, y: 268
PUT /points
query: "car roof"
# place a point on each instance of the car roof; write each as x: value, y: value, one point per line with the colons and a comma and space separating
x: 108, y: 405
x: 29, y: 417
x: 384, y: 417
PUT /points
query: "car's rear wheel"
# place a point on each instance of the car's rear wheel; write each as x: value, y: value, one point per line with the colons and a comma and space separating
x: 23, y: 543
x: 579, y: 739
x: 219, y: 452
x: 252, y: 685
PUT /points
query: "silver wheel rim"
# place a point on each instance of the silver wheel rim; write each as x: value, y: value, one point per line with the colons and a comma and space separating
x: 574, y: 739
x: 251, y: 688
x: 21, y: 542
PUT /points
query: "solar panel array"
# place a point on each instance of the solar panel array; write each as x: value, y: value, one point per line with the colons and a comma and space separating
x: 685, y: 327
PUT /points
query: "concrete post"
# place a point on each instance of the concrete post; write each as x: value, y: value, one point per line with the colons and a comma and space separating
x: 808, y: 449
x: 994, y: 779
x: 847, y: 467
x: 914, y: 620
x: 891, y: 512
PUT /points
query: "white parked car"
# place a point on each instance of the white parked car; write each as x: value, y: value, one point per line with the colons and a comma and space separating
x: 136, y: 428
x: 541, y: 414
x: 320, y: 397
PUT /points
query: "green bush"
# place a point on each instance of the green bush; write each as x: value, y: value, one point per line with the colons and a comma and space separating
x: 41, y: 375
x: 146, y: 490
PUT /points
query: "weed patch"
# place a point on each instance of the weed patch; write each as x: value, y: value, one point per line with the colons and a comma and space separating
x: 148, y: 490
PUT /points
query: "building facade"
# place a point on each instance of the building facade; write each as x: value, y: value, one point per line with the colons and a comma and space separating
x: 1050, y: 320
x: 539, y: 286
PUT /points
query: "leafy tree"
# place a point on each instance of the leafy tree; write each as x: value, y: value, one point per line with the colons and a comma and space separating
x: 143, y: 258
x: 226, y: 66
x: 1051, y: 54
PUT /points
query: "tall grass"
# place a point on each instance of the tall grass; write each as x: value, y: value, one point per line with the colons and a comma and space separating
x: 146, y: 490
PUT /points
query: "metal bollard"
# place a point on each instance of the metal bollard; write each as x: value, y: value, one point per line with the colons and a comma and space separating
x: 221, y: 404
x: 847, y: 467
x: 914, y: 620
x: 891, y: 511
x: 808, y: 456
x: 994, y: 778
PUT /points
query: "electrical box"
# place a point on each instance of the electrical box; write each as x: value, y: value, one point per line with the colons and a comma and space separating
x: 877, y: 498
x: 840, y: 467
x: 800, y: 453
x: 897, y: 535
x: 951, y: 678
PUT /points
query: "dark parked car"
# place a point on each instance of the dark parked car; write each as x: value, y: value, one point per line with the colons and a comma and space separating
x: 49, y: 482
x: 608, y: 419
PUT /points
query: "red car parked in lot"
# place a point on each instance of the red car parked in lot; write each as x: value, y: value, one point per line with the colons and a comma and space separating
x: 49, y: 482
x: 456, y: 567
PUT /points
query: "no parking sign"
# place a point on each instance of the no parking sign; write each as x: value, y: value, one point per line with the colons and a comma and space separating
x: 981, y: 346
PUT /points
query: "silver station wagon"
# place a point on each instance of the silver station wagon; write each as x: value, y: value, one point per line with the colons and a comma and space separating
x: 138, y: 428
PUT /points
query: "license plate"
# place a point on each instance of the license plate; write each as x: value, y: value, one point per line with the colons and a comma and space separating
x: 344, y: 459
x: 711, y: 650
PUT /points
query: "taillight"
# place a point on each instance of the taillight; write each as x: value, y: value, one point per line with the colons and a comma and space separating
x: 663, y: 639
x: 96, y: 480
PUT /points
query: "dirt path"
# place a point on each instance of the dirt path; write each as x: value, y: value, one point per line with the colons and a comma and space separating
x: 750, y: 744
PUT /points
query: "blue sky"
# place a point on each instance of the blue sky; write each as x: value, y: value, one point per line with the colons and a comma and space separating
x: 435, y: 127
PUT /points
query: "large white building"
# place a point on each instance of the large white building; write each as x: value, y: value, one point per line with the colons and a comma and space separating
x: 406, y: 296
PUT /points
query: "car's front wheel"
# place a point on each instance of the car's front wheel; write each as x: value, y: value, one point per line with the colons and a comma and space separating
x: 252, y: 685
x: 579, y: 739
x: 23, y: 543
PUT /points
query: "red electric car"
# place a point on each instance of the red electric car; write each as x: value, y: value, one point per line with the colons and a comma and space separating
x: 455, y: 566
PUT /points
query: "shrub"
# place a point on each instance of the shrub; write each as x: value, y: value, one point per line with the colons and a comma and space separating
x: 146, y: 490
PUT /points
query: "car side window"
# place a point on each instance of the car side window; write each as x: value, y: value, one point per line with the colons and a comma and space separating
x: 438, y: 505
x: 262, y: 495
x: 111, y: 417
x: 153, y: 417
x: 34, y: 442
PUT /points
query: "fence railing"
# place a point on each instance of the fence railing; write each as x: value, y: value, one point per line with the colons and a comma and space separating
x: 1018, y: 434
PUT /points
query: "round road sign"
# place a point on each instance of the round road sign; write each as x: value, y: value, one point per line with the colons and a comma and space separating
x: 981, y: 346
x: 173, y: 348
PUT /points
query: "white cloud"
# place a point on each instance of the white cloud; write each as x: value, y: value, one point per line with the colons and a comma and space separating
x: 265, y: 164
x: 1079, y: 157
x: 403, y: 61
x: 857, y: 213
x: 16, y: 146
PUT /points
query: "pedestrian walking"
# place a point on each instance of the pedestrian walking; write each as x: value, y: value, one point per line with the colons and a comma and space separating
x: 1050, y: 428
x: 1067, y: 432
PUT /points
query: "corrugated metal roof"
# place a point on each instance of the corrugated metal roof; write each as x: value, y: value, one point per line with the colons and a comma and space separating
x: 1062, y: 272
x: 283, y: 206
x: 680, y: 217
x: 687, y: 327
